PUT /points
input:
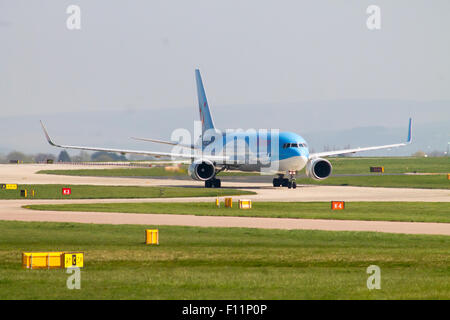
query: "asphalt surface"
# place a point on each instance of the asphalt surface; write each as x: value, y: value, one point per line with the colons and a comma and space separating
x: 26, y: 174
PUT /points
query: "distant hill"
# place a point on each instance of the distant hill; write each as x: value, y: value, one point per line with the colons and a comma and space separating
x: 426, y: 137
x: 334, y: 124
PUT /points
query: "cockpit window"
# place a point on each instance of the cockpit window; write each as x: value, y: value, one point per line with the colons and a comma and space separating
x: 294, y: 145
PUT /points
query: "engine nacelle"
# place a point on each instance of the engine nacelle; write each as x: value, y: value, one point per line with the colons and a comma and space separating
x: 201, y: 170
x: 318, y: 169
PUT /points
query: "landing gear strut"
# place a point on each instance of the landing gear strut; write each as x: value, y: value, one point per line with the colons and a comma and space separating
x: 292, y: 183
x: 285, y: 182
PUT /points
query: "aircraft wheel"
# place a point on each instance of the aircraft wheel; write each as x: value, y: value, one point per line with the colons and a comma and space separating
x: 285, y: 183
x: 217, y: 183
x: 276, y: 182
x: 208, y: 184
x: 289, y: 184
x: 294, y: 185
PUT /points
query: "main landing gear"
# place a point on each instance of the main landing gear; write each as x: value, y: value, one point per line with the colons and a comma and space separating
x: 212, y: 183
x: 285, y: 182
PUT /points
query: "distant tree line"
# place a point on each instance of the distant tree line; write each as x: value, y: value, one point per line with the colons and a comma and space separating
x: 102, y: 156
x: 63, y: 156
x: 435, y: 153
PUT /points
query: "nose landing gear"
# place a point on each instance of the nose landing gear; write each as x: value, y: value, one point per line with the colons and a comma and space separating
x: 285, y: 182
x: 292, y: 183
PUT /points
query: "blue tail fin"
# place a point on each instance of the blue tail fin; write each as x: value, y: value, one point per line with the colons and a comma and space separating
x: 205, y: 115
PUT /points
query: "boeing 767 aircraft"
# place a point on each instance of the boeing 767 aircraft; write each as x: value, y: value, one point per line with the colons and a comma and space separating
x: 268, y: 151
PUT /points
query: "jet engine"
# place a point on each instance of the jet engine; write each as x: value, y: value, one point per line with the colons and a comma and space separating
x: 202, y: 170
x: 318, y: 169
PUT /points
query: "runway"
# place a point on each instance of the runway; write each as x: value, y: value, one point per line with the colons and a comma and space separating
x: 25, y: 174
x: 218, y: 221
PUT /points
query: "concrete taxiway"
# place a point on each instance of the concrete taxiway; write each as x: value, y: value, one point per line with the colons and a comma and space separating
x: 26, y: 174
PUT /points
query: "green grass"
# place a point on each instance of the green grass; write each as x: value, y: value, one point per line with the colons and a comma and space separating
x: 131, y: 172
x: 340, y: 166
x: 118, y: 172
x: 350, y: 165
x: 54, y: 191
x: 381, y: 211
x: 402, y: 181
x: 391, y: 164
x: 224, y: 263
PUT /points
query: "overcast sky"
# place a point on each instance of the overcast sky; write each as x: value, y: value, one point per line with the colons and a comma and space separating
x: 141, y: 54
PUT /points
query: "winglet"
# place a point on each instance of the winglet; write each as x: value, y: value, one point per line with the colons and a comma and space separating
x: 47, y: 136
x: 409, y: 139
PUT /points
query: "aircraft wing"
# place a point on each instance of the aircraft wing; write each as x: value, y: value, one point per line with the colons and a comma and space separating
x: 188, y: 155
x: 190, y: 146
x: 338, y: 152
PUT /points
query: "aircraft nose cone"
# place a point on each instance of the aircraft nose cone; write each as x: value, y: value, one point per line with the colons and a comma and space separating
x: 297, y: 152
x: 304, y: 152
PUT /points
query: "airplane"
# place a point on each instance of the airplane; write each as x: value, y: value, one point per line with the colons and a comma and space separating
x: 279, y: 153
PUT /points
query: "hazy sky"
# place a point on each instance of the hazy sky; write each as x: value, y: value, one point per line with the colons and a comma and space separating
x: 141, y: 55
